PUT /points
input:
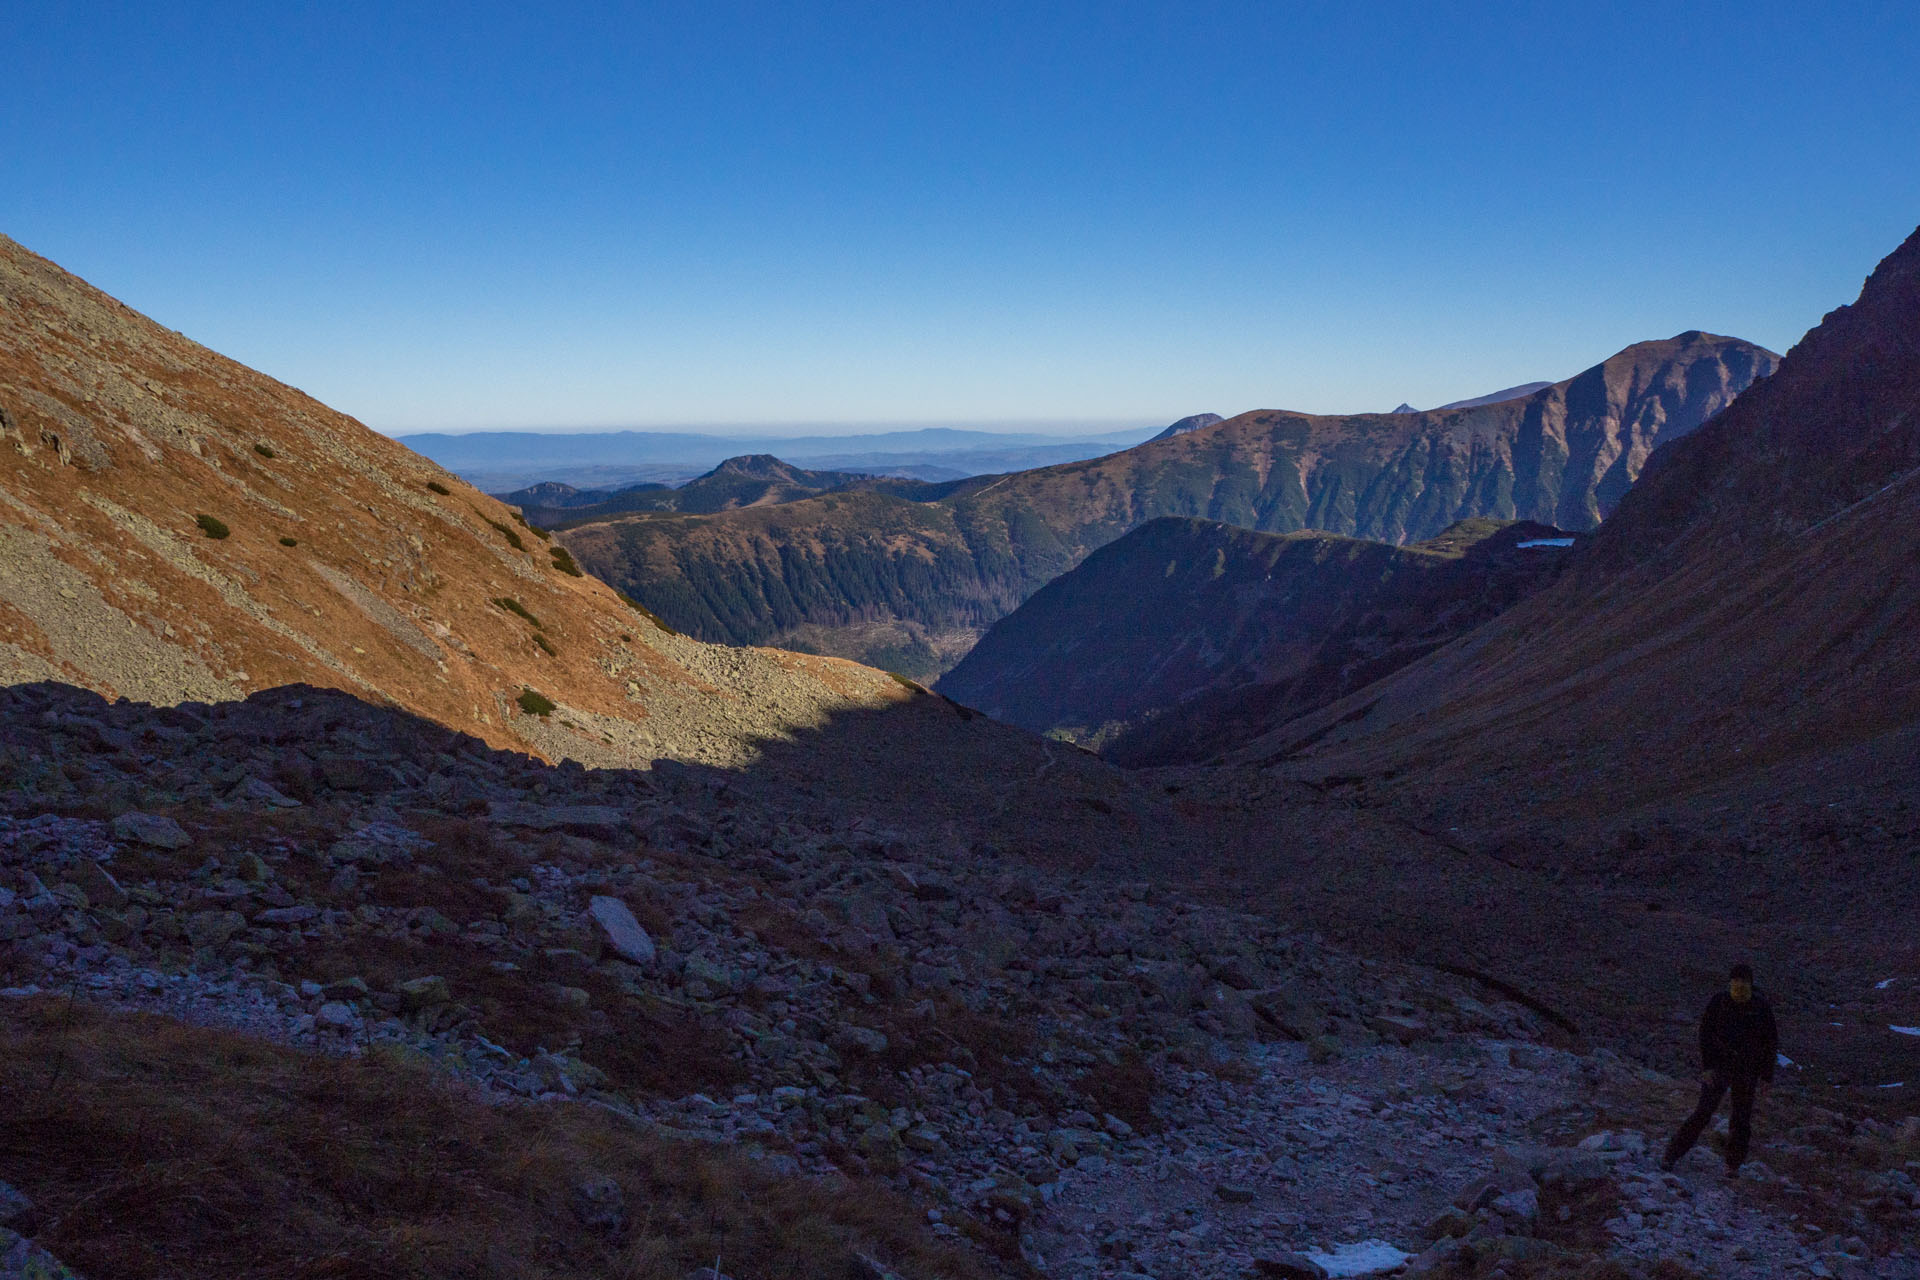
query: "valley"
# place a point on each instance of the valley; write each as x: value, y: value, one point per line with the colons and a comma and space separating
x: 341, y: 798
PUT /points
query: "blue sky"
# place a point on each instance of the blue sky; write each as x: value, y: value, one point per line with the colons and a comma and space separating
x: 485, y: 215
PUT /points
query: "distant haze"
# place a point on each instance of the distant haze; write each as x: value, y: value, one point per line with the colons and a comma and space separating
x: 499, y: 461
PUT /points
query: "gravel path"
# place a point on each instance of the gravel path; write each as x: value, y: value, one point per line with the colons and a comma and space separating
x: 1317, y: 1160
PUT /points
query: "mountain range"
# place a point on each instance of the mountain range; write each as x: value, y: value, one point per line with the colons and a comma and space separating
x: 912, y: 585
x: 749, y: 481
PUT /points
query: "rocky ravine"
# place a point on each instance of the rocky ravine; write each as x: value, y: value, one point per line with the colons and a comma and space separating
x: 1101, y: 1077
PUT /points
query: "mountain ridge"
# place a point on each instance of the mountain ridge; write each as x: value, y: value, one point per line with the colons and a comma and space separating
x: 913, y: 585
x: 1757, y: 560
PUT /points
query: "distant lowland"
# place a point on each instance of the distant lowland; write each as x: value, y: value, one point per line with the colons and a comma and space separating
x: 910, y: 578
x: 502, y: 461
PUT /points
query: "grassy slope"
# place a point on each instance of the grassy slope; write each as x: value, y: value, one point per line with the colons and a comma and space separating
x: 153, y: 1148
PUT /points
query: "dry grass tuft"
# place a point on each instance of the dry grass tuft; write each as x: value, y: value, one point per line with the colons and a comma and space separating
x: 154, y: 1148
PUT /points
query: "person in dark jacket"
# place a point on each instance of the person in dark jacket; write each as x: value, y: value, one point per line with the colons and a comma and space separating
x: 1739, y: 1044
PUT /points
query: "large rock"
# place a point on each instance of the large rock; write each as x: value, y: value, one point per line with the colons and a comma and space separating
x: 594, y: 821
x: 613, y: 920
x: 1483, y: 1191
x: 151, y: 830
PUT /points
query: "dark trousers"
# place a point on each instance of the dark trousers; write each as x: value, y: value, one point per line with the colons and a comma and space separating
x: 1739, y: 1127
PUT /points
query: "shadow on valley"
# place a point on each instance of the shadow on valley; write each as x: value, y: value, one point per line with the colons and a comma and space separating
x: 1610, y: 927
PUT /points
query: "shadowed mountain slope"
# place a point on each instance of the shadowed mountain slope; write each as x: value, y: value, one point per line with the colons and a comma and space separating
x: 175, y: 526
x: 1745, y: 624
x: 1495, y: 397
x: 893, y: 580
x: 1187, y: 637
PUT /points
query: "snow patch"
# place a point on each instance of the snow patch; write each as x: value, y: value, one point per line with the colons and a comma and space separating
x: 1545, y: 542
x: 1883, y: 984
x: 1905, y: 1031
x: 1362, y: 1258
x: 1782, y: 1060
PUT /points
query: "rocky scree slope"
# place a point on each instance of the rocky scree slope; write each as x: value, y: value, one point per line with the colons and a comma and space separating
x: 914, y: 584
x: 1187, y: 637
x: 1744, y: 622
x: 1093, y: 1076
x: 176, y: 526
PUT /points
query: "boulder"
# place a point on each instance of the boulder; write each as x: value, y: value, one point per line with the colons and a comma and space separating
x: 1521, y: 1206
x: 613, y: 920
x: 1573, y: 1170
x: 594, y: 821
x: 337, y: 1015
x: 1483, y: 1191
x: 252, y: 790
x: 1449, y: 1222
x: 151, y: 830
x: 852, y: 1039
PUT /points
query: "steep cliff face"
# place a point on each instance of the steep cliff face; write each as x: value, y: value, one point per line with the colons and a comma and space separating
x: 1186, y: 638
x: 1749, y: 613
x: 175, y: 526
x: 893, y: 580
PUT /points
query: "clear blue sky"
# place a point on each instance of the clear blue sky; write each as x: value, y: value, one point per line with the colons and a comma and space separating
x: 506, y: 215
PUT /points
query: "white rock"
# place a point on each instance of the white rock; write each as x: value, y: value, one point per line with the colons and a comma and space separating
x: 621, y: 932
x: 338, y: 1015
x: 151, y: 829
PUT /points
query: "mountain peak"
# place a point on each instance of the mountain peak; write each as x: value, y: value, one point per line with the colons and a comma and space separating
x: 1193, y: 422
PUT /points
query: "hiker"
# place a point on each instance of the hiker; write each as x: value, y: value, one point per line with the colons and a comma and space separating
x: 1739, y: 1044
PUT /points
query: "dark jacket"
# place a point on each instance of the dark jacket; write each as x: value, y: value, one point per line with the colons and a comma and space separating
x: 1739, y: 1039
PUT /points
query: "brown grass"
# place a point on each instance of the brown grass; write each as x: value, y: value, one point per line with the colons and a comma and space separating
x: 153, y: 1148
